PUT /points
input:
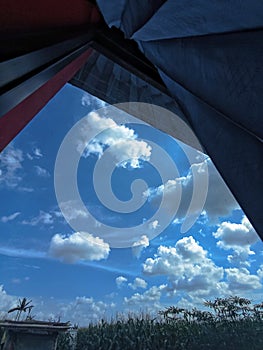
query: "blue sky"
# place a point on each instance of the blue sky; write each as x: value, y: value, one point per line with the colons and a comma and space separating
x: 79, y: 274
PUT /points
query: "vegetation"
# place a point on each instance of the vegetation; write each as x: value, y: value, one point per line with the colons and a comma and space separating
x: 232, y: 324
x: 23, y: 305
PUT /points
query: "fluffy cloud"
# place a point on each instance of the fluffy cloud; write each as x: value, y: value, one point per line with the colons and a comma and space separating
x: 121, y: 281
x: 130, y: 152
x: 6, y: 302
x: 187, y: 267
x: 91, y: 101
x: 237, y: 237
x: 150, y: 298
x: 78, y: 246
x: 121, y: 140
x: 84, y: 310
x: 11, y: 217
x: 138, y: 246
x: 219, y: 201
x: 10, y: 166
x: 242, y: 280
x: 81, y: 310
x: 138, y: 283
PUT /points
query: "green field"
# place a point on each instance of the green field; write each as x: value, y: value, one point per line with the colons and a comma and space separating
x: 233, y: 324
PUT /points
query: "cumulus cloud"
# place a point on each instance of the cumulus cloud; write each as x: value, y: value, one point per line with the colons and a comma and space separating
x: 149, y: 298
x: 78, y: 246
x: 41, y: 171
x: 11, y: 160
x: 130, y: 152
x: 219, y: 201
x: 11, y: 217
x: 6, y: 302
x: 138, y: 283
x: 83, y: 310
x: 93, y: 102
x: 152, y: 295
x: 139, y: 245
x: 242, y: 280
x: 187, y: 266
x: 43, y: 218
x: 121, y: 281
x: 237, y: 237
x: 121, y: 140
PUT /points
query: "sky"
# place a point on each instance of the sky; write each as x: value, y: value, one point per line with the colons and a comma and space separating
x: 102, y: 214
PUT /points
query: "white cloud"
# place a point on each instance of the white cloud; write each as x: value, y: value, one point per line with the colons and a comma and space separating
x: 84, y: 310
x: 121, y: 281
x: 41, y: 171
x: 43, y: 218
x: 219, y: 202
x: 25, y: 189
x: 29, y: 156
x: 121, y: 140
x: 150, y: 298
x: 11, y: 165
x: 138, y: 283
x: 237, y: 237
x: 6, y: 302
x: 130, y: 152
x: 11, y: 217
x: 138, y: 246
x: 242, y: 280
x: 81, y: 310
x: 93, y: 102
x: 22, y: 253
x: 187, y: 266
x: 37, y: 152
x: 72, y: 211
x: 260, y: 272
x: 78, y: 246
x: 153, y: 225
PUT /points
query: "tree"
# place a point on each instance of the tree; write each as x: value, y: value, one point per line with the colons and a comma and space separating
x: 24, y: 306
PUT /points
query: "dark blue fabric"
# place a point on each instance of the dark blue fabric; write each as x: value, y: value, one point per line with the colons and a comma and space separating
x: 210, y: 56
x: 128, y: 15
x: 178, y: 19
x: 237, y: 155
x: 112, y: 11
x: 223, y: 70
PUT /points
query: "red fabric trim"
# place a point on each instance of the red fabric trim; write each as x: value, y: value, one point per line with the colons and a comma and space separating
x: 29, y: 15
x: 16, y: 119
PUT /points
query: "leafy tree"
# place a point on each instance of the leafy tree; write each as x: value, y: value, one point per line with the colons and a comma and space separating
x: 23, y: 306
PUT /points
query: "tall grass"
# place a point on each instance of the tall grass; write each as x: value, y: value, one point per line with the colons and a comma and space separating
x: 142, y: 334
x: 233, y: 324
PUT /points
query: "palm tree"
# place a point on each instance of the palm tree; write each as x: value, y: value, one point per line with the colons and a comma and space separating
x: 22, y: 306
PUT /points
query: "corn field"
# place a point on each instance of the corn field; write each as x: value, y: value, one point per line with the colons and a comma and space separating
x: 142, y: 334
x: 232, y: 324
